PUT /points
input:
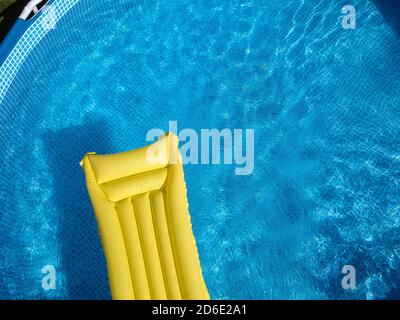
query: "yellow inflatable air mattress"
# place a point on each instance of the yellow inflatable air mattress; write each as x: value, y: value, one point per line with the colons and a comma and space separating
x: 140, y: 204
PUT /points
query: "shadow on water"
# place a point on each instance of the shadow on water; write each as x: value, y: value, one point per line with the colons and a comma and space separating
x: 82, y: 257
x: 390, y: 10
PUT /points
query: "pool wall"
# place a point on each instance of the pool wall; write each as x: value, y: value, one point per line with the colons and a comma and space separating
x: 23, y: 38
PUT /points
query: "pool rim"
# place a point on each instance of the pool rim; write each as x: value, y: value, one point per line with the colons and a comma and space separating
x: 23, y: 38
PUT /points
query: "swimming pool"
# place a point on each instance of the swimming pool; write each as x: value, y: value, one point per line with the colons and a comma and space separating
x: 324, y: 104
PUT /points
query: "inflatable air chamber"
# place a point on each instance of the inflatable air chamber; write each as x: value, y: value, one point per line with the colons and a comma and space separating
x: 140, y: 204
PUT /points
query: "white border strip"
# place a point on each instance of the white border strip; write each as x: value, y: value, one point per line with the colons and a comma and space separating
x: 32, y: 36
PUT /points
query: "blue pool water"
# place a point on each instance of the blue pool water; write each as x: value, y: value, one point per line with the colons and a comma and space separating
x: 324, y: 104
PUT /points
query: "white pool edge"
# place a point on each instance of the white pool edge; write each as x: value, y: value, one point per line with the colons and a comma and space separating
x: 44, y: 23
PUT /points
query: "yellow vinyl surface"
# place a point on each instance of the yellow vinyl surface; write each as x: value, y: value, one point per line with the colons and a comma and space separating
x: 139, y: 199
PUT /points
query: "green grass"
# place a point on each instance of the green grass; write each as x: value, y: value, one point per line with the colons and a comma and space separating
x: 4, y: 4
